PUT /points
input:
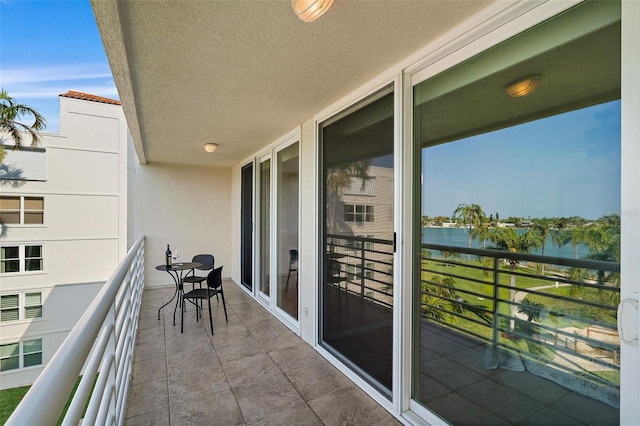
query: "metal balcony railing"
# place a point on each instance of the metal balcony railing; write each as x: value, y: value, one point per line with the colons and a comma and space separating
x: 98, y: 352
x: 366, y: 264
x: 559, y: 313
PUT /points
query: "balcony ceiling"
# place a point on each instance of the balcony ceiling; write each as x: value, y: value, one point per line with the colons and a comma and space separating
x: 244, y: 73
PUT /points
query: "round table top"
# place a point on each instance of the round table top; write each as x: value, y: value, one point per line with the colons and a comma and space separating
x: 179, y: 266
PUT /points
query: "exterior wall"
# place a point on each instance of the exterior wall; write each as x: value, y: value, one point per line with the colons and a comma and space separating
x: 185, y: 206
x: 83, y: 183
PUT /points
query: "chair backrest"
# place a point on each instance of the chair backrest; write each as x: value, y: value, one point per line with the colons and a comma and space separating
x: 293, y: 255
x: 207, y: 261
x: 214, y: 279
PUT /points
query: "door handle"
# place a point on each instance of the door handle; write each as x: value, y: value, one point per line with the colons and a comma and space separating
x: 628, y: 321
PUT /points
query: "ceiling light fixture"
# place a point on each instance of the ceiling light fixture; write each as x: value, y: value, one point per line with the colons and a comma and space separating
x: 210, y: 147
x: 310, y: 10
x: 523, y: 86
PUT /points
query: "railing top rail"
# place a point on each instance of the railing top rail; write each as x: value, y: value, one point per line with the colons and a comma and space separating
x: 363, y: 239
x: 64, y: 368
x: 562, y: 261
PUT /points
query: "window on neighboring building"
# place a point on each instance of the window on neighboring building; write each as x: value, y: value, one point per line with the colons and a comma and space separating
x: 21, y: 258
x: 20, y: 210
x: 20, y: 354
x: 10, y: 307
x: 369, y: 270
x: 21, y: 306
x: 358, y: 213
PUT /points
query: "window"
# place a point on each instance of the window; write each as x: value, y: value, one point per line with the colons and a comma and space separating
x: 19, y: 210
x: 369, y: 270
x: 21, y: 306
x: 21, y: 258
x: 20, y: 355
x: 358, y: 213
x: 9, y: 307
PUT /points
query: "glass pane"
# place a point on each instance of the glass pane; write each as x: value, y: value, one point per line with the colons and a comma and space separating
x: 9, y: 203
x: 287, y: 211
x: 33, y: 265
x: 9, y: 363
x: 265, y: 225
x: 9, y: 301
x: 32, y: 299
x: 9, y: 315
x: 33, y: 312
x: 12, y: 349
x: 11, y: 252
x: 30, y: 346
x: 33, y: 203
x: 518, y: 282
x: 9, y: 266
x: 32, y: 359
x: 33, y: 218
x: 9, y: 217
x: 246, y: 213
x: 33, y: 251
x: 357, y: 171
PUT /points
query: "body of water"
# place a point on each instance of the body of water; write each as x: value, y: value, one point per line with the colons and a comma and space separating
x: 458, y: 237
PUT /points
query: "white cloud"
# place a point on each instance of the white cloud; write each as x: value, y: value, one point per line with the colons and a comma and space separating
x: 54, y: 73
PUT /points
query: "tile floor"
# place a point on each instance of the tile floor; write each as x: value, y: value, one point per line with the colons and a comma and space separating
x: 254, y: 370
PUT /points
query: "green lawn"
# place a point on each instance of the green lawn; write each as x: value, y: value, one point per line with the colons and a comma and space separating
x: 9, y: 400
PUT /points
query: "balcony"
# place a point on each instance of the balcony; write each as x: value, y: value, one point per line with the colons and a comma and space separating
x: 475, y: 365
x: 253, y: 370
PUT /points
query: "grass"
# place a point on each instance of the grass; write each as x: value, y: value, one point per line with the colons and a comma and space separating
x: 9, y: 400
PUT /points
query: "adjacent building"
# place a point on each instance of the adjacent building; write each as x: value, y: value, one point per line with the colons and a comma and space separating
x: 63, y: 218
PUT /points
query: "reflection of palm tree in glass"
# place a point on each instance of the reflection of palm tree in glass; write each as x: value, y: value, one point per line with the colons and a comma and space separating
x: 471, y: 216
x: 338, y: 178
x: 508, y: 239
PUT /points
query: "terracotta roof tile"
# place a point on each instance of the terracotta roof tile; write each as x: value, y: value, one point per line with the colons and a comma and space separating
x: 88, y: 97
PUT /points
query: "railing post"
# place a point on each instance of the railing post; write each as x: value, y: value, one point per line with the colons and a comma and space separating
x: 362, y: 270
x: 496, y: 296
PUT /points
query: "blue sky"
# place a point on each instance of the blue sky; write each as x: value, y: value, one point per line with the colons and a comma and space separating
x: 48, y: 48
x: 561, y: 166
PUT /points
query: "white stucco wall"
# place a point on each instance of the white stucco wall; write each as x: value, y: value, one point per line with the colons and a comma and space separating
x: 186, y: 207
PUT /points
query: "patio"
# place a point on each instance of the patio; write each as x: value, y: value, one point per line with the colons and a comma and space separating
x: 254, y: 370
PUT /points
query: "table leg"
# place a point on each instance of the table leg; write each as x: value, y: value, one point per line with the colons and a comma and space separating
x: 175, y: 279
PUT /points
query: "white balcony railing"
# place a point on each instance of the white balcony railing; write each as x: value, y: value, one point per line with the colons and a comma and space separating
x: 99, y: 351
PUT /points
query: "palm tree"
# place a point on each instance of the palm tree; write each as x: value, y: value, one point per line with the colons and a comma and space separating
x: 508, y: 239
x: 543, y: 227
x: 471, y: 216
x: 10, y: 114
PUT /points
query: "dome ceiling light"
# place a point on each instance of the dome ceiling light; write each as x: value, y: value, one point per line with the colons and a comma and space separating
x: 523, y: 86
x: 310, y: 10
x: 210, y: 147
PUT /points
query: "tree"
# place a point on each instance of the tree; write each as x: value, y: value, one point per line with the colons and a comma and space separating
x: 10, y: 115
x: 508, y: 239
x: 471, y: 216
x: 543, y: 227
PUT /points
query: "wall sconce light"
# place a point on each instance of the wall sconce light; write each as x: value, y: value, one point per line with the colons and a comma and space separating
x: 523, y: 86
x: 210, y: 147
x: 310, y: 10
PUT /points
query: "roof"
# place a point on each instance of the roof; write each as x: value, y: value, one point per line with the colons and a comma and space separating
x: 89, y: 97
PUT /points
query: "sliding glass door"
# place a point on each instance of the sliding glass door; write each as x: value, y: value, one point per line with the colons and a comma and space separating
x: 517, y: 277
x: 287, y: 207
x: 264, y: 212
x: 246, y: 227
x: 357, y: 238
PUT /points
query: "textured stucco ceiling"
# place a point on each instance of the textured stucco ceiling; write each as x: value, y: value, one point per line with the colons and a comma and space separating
x: 243, y: 73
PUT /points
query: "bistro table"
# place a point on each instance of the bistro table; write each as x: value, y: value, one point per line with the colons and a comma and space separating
x: 177, y: 273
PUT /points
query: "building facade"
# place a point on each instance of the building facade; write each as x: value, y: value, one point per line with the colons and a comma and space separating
x: 63, y: 209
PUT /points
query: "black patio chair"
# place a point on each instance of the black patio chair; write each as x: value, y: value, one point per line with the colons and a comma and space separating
x: 293, y: 267
x: 213, y: 288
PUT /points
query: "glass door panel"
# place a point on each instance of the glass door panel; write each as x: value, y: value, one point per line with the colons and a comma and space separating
x: 287, y: 222
x: 518, y: 273
x: 246, y: 231
x: 357, y: 248
x: 265, y: 226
